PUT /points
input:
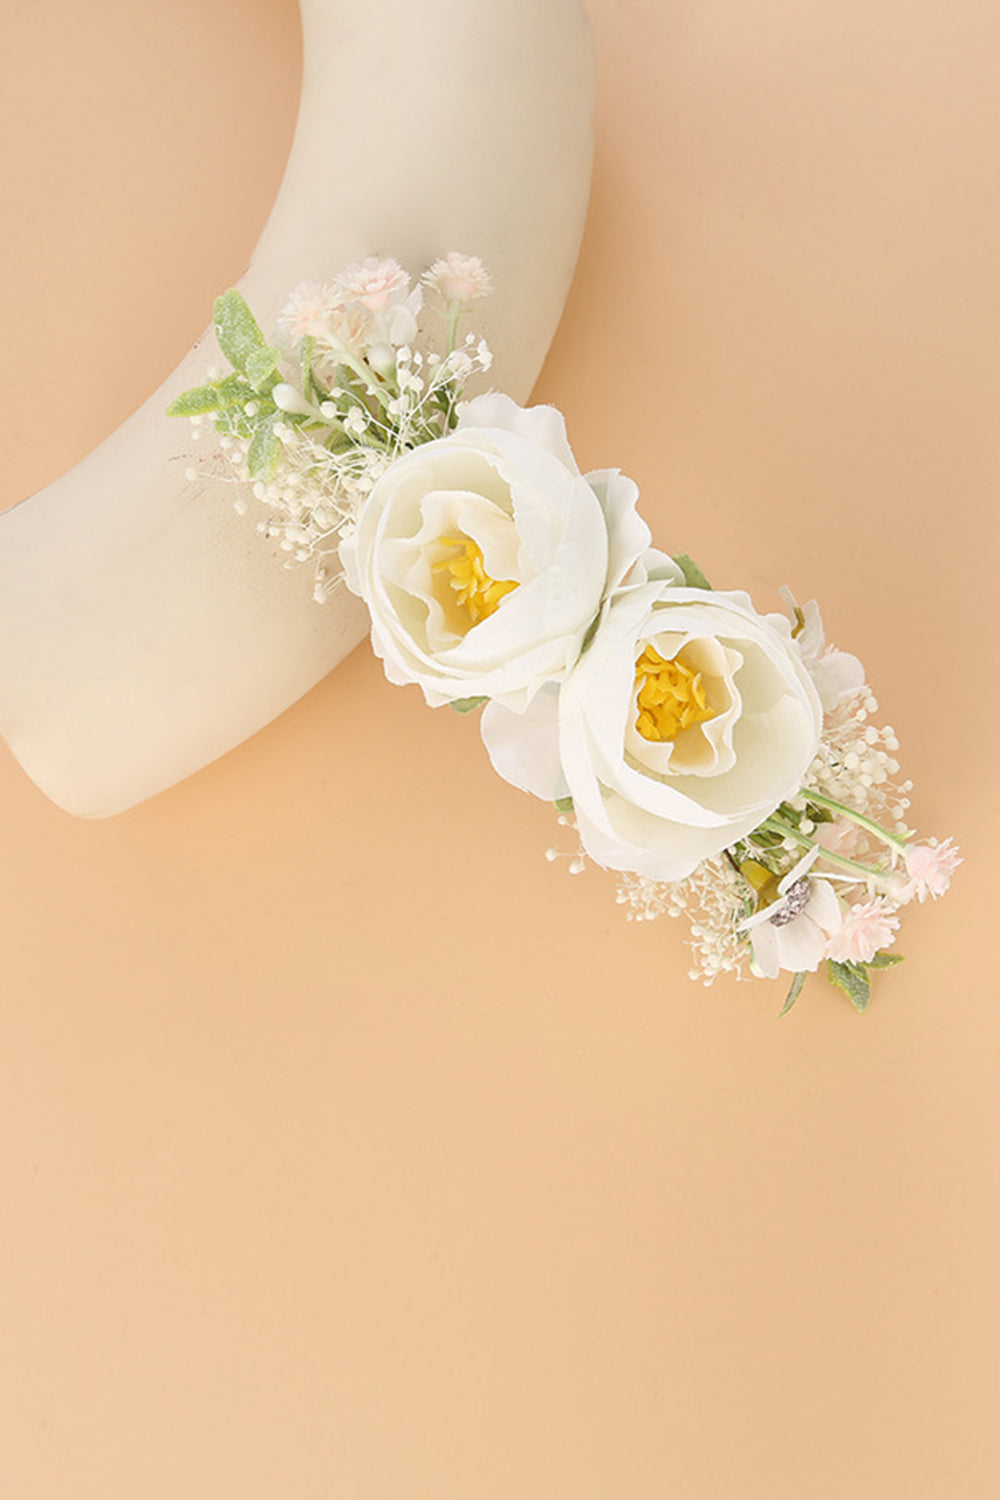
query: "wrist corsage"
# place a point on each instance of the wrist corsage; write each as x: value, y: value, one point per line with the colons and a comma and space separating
x: 725, y: 763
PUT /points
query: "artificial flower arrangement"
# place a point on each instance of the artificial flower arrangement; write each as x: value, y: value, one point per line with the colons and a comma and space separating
x: 723, y: 762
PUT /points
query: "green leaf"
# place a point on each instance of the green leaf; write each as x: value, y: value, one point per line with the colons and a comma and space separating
x: 794, y: 992
x: 233, y: 391
x: 262, y: 365
x: 885, y: 961
x: 265, y: 446
x: 195, y: 402
x: 853, y: 980
x: 237, y: 330
x: 234, y: 422
x: 465, y: 705
x: 693, y: 576
x: 310, y: 389
x: 218, y: 395
x: 564, y: 804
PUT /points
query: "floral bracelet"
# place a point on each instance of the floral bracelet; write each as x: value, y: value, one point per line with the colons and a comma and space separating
x: 724, y: 762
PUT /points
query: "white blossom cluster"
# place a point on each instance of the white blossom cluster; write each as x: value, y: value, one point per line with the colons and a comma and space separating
x: 316, y: 493
x: 714, y: 899
x: 855, y: 763
x: 362, y: 395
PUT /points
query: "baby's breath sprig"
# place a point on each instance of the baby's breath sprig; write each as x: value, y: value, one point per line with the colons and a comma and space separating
x: 845, y: 831
x: 309, y: 430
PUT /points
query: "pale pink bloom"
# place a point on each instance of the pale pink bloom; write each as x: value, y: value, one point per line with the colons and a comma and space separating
x: 348, y: 324
x: 839, y: 837
x: 866, y: 931
x: 930, y: 868
x: 378, y: 293
x: 459, y: 278
x: 376, y: 284
x: 307, y: 312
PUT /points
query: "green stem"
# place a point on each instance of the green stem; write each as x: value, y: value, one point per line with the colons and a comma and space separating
x: 369, y: 380
x: 820, y: 799
x: 455, y: 311
x: 372, y: 440
x: 777, y: 825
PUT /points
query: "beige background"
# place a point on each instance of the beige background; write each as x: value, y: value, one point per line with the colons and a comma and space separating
x: 347, y: 1148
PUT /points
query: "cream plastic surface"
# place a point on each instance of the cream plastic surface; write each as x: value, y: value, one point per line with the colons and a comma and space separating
x: 145, y: 629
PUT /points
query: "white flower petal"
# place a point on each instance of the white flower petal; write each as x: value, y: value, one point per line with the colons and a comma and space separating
x: 824, y: 908
x: 400, y: 325
x: 628, y: 534
x: 524, y: 748
x: 836, y: 673
x: 513, y: 490
x: 766, y: 960
x: 543, y: 426
x: 349, y: 562
x: 801, y: 944
x: 655, y: 566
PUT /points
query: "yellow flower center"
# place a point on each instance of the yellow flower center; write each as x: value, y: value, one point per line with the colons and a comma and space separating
x: 472, y: 587
x: 669, y: 697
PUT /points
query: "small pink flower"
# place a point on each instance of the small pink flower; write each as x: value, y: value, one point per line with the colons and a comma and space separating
x: 866, y: 931
x: 930, y: 868
x: 307, y: 310
x: 374, y: 283
x: 459, y: 278
x: 839, y: 837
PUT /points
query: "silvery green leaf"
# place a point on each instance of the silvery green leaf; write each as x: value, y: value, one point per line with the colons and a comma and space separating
x: 693, y: 576
x: 795, y: 990
x: 262, y: 459
x: 885, y: 961
x: 237, y: 330
x: 232, y: 421
x: 564, y: 804
x: 465, y: 705
x: 261, y: 365
x: 233, y: 391
x: 195, y: 402
x: 853, y: 980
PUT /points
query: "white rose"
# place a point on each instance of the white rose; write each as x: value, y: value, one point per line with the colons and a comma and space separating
x: 484, y: 556
x: 687, y: 721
